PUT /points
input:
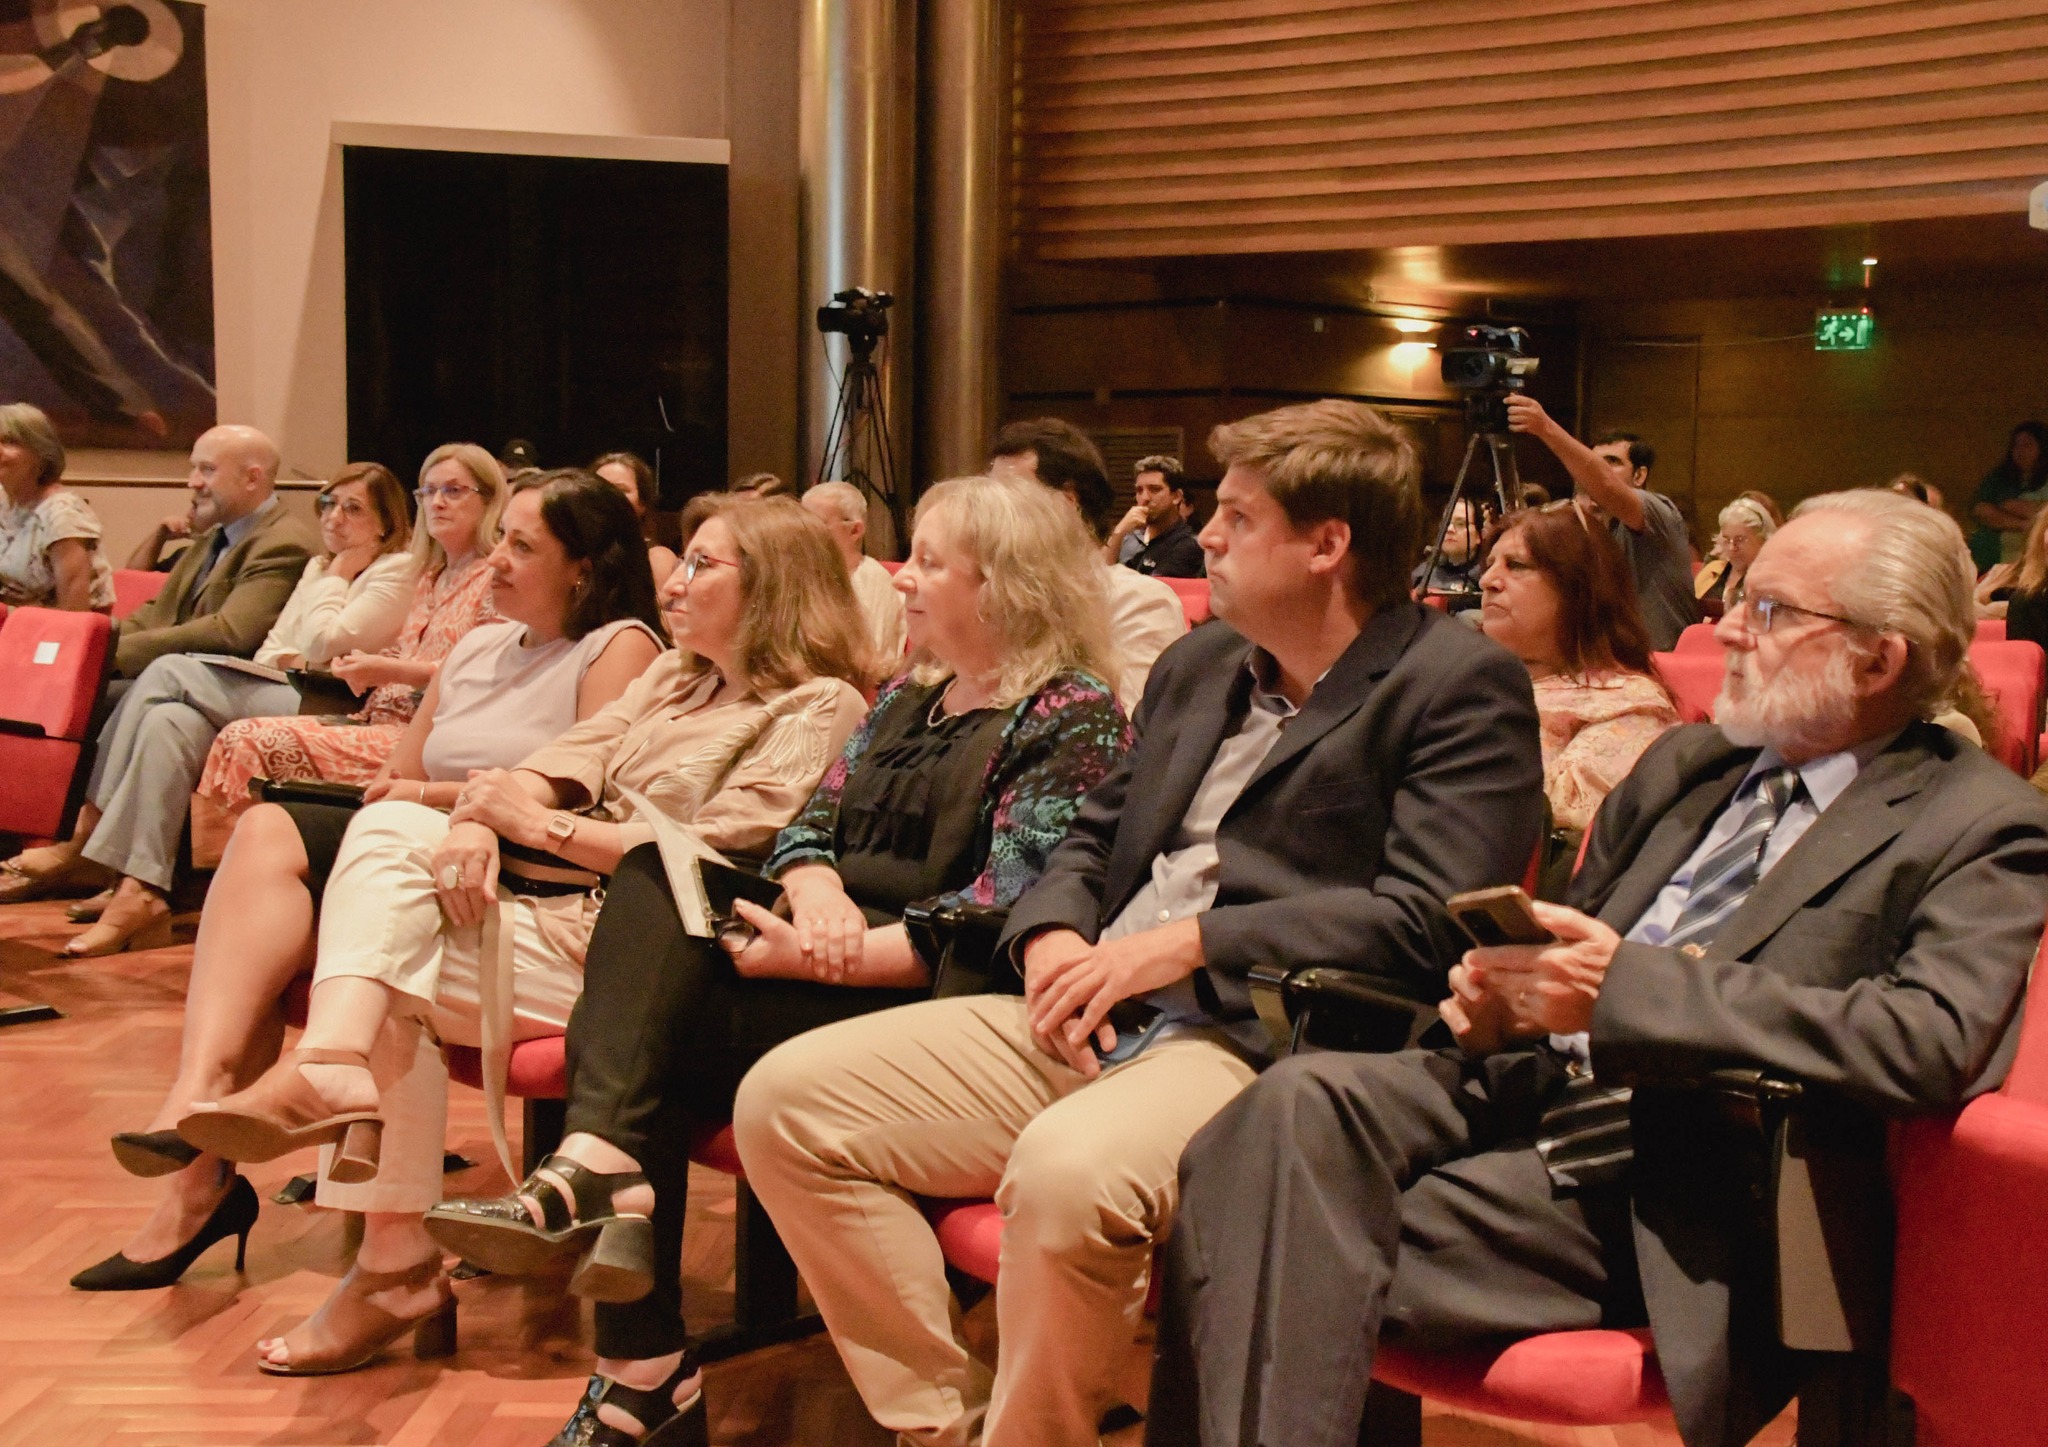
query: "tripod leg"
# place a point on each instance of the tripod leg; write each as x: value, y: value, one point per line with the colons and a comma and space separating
x: 1443, y: 530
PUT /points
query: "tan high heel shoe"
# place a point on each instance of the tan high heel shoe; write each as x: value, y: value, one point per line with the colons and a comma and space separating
x: 282, y: 1112
x: 125, y: 924
x: 348, y: 1330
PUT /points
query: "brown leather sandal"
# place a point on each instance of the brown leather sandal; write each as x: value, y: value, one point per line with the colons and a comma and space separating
x: 348, y: 1330
x: 282, y: 1112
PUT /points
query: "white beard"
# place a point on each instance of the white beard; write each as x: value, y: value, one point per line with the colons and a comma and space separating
x: 1792, y: 710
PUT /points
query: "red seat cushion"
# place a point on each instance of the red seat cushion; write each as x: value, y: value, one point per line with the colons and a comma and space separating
x: 1694, y: 678
x: 2012, y: 673
x: 538, y: 1069
x: 970, y: 1235
x: 1570, y: 1378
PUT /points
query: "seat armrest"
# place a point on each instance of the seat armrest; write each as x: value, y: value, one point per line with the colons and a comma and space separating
x: 957, y: 943
x: 1332, y: 1009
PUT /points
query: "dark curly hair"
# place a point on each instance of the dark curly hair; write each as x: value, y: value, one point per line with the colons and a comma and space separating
x: 595, y: 524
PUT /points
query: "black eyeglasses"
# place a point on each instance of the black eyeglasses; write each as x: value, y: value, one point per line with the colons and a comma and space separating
x: 1765, y: 609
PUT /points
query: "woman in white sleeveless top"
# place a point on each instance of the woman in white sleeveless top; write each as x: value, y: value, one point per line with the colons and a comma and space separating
x: 571, y: 573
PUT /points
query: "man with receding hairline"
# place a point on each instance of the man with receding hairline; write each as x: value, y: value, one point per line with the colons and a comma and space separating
x: 246, y: 555
x: 843, y: 509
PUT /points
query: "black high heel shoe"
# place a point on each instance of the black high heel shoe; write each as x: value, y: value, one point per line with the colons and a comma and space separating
x: 500, y: 1234
x: 235, y: 1214
x: 662, y: 1422
x: 153, y: 1152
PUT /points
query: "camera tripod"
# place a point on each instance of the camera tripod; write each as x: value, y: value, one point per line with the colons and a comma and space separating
x: 857, y: 448
x: 1486, y: 421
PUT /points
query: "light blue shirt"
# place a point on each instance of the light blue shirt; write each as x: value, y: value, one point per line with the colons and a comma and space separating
x: 1825, y: 779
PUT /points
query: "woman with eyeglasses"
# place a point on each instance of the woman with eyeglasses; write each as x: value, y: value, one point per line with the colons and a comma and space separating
x: 957, y: 787
x: 482, y: 917
x: 1744, y: 526
x: 153, y: 746
x: 461, y: 494
x: 1556, y: 593
x: 571, y: 579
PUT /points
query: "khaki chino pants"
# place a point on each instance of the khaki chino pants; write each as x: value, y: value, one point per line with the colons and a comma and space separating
x: 841, y: 1127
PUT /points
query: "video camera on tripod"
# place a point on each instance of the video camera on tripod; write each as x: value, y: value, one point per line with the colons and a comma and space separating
x: 859, y: 315
x: 1488, y: 365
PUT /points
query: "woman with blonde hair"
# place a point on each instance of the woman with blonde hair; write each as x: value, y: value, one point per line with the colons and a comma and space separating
x: 461, y: 498
x: 473, y: 926
x: 956, y: 788
x: 1745, y: 524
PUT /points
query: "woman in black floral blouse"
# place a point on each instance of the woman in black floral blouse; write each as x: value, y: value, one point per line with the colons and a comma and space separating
x: 957, y: 786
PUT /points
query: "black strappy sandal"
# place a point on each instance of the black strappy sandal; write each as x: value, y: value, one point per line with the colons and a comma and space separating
x: 663, y: 1423
x: 500, y: 1234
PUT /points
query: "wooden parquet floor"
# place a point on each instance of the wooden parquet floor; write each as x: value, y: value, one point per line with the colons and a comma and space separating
x: 174, y: 1367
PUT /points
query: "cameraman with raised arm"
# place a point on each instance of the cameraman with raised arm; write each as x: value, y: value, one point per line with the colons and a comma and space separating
x: 1613, y: 480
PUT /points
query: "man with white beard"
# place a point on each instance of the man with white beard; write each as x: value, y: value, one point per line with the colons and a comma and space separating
x: 1822, y: 886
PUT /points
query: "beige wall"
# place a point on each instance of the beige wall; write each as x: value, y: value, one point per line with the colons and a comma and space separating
x: 1938, y: 393
x: 281, y: 73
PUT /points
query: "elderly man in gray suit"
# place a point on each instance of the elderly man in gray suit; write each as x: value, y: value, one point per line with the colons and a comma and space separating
x: 1823, y: 886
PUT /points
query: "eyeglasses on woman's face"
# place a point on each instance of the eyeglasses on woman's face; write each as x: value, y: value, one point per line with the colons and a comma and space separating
x: 348, y: 508
x: 694, y: 563
x: 449, y: 492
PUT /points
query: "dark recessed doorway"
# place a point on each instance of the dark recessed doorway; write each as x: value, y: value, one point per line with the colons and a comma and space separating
x: 577, y: 303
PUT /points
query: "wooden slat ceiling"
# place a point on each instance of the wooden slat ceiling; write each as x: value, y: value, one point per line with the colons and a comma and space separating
x: 1154, y: 128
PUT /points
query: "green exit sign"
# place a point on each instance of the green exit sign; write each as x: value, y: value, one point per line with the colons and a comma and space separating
x: 1843, y: 331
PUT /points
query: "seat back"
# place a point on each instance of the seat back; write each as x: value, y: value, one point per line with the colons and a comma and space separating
x: 2015, y: 674
x: 1991, y: 630
x: 890, y: 563
x: 53, y: 673
x: 2028, y: 1078
x: 1194, y: 598
x: 1696, y: 638
x: 1694, y: 679
x: 135, y: 586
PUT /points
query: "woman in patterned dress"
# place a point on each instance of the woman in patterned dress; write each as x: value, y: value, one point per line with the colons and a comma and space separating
x: 958, y: 786
x: 461, y: 495
x: 1556, y: 594
x: 49, y: 538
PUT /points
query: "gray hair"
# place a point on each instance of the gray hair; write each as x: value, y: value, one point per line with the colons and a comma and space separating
x: 1750, y: 513
x: 1913, y: 577
x: 26, y: 425
x: 847, y: 500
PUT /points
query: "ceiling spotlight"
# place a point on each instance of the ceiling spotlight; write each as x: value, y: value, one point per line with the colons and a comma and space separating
x: 1413, y: 325
x: 1870, y: 261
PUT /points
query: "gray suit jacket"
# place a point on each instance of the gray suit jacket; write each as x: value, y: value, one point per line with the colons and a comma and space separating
x: 233, y: 609
x: 1413, y: 772
x: 1881, y: 961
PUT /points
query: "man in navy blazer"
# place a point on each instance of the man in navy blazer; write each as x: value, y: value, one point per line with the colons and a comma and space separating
x: 1312, y: 777
x: 1822, y: 886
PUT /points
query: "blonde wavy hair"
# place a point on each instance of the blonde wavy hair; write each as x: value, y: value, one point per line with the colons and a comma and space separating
x: 1042, y: 584
x: 799, y: 619
x: 489, y: 478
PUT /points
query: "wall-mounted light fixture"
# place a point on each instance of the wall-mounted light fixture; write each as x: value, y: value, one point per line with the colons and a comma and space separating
x: 1414, y: 326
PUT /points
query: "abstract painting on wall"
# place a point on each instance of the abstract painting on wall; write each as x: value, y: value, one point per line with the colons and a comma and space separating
x: 106, y: 250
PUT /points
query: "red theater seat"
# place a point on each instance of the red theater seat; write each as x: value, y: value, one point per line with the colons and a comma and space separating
x: 1991, y: 630
x: 1696, y: 638
x: 135, y: 586
x: 1194, y: 598
x: 1694, y: 678
x: 1565, y: 1378
x: 2014, y: 674
x: 891, y: 565
x: 53, y: 672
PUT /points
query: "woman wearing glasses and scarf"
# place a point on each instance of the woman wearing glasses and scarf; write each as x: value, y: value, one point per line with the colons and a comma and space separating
x: 461, y: 495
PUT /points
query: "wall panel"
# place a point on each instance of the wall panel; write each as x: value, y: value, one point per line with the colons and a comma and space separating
x: 1225, y: 126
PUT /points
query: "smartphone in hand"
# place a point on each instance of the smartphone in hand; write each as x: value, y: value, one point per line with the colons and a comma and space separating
x: 1500, y: 916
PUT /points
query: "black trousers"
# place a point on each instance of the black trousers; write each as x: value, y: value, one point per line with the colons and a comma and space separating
x: 1342, y: 1194
x: 663, y: 1033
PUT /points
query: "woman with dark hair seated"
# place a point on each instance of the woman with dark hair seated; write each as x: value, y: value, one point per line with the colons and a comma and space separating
x: 569, y: 575
x: 958, y: 786
x: 1556, y: 594
x: 472, y: 927
x: 630, y: 474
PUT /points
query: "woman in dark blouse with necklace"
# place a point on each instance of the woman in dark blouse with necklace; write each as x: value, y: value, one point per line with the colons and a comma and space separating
x: 958, y: 785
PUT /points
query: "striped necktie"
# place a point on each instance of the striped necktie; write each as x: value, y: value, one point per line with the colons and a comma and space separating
x: 1584, y: 1137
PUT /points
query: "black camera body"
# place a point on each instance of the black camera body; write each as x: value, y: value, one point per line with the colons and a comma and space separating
x: 860, y: 315
x: 1490, y: 359
x: 1487, y: 365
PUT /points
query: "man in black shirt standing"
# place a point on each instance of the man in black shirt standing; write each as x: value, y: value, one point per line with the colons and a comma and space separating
x: 1613, y: 479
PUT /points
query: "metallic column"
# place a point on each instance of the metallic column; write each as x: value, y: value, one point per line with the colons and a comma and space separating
x: 856, y: 137
x: 966, y: 91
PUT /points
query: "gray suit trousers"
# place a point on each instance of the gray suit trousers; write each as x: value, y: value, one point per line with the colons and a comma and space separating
x: 152, y: 750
